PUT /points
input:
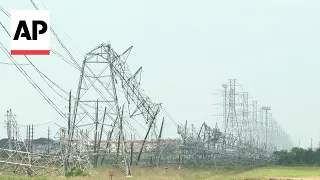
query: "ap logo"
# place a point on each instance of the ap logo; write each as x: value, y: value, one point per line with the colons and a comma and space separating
x: 30, y: 32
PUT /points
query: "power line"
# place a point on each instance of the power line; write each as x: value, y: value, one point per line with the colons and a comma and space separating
x: 73, y: 64
x: 4, y: 11
x: 42, y: 75
x: 31, y: 81
x: 10, y: 64
x: 36, y: 124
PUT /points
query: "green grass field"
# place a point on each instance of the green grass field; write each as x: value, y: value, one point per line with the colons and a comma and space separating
x: 205, y: 173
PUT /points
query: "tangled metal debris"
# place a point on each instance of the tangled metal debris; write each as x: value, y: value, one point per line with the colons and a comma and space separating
x: 110, y: 107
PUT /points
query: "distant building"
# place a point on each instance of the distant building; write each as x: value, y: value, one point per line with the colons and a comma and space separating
x: 40, y: 145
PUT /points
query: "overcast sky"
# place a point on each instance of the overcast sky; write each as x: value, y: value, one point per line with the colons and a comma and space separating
x: 187, y: 49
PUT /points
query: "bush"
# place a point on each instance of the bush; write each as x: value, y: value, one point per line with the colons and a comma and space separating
x: 75, y: 171
x: 298, y: 156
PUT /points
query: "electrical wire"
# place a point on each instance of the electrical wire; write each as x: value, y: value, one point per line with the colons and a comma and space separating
x: 32, y: 82
x: 10, y: 64
x: 73, y: 64
x: 4, y: 11
x: 24, y: 73
x: 77, y: 66
x: 49, y: 122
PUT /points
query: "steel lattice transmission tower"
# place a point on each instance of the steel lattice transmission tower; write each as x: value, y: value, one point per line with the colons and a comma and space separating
x: 12, y: 128
x: 232, y: 124
x: 266, y: 109
x: 100, y: 108
x: 16, y: 158
x: 96, y: 89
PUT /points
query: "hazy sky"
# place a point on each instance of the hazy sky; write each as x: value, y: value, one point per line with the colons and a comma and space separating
x: 187, y: 50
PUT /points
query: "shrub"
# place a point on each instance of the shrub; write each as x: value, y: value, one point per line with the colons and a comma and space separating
x: 298, y: 156
x: 75, y: 171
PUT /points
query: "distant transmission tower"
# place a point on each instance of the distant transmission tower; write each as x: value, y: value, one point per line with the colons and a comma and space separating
x: 12, y: 131
x: 266, y: 110
x: 225, y: 118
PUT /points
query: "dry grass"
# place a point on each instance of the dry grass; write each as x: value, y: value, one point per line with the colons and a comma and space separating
x: 193, y: 173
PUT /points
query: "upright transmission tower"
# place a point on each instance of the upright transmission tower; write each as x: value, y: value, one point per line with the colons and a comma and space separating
x: 232, y: 126
x: 266, y: 110
x: 12, y: 128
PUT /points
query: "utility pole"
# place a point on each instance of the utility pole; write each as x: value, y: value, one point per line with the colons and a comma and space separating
x: 96, y: 135
x: 29, y: 139
x: 69, y: 114
x: 131, y: 150
x: 87, y: 135
x: 29, y: 144
x: 158, y: 144
x: 32, y: 139
x: 67, y: 147
x: 48, y: 140
x: 101, y: 131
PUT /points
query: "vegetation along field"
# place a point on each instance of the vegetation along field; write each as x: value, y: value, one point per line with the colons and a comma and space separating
x: 203, y: 173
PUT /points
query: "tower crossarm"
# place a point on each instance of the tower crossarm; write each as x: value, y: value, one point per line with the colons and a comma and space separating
x: 133, y: 91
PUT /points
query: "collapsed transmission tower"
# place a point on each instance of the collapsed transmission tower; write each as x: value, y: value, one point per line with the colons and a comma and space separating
x: 13, y: 155
x: 103, y: 74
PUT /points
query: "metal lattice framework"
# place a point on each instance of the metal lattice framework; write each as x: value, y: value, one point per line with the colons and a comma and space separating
x: 114, y: 122
x: 103, y: 74
x: 110, y: 107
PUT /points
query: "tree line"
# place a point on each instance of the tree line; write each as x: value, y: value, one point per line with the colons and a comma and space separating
x: 298, y: 156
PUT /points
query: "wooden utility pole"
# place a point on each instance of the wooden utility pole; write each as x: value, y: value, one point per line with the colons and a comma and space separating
x: 131, y: 152
x: 87, y: 135
x: 48, y: 140
x: 69, y: 113
x: 26, y: 141
x: 29, y: 139
x: 31, y: 143
x: 145, y: 139
x: 158, y: 145
x: 96, y: 136
x: 118, y: 146
x: 32, y: 139
x: 101, y: 131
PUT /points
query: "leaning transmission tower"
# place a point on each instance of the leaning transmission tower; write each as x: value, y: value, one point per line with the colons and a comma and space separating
x: 110, y: 106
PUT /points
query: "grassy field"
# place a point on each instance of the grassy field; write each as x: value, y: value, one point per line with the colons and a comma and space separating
x: 204, y: 173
